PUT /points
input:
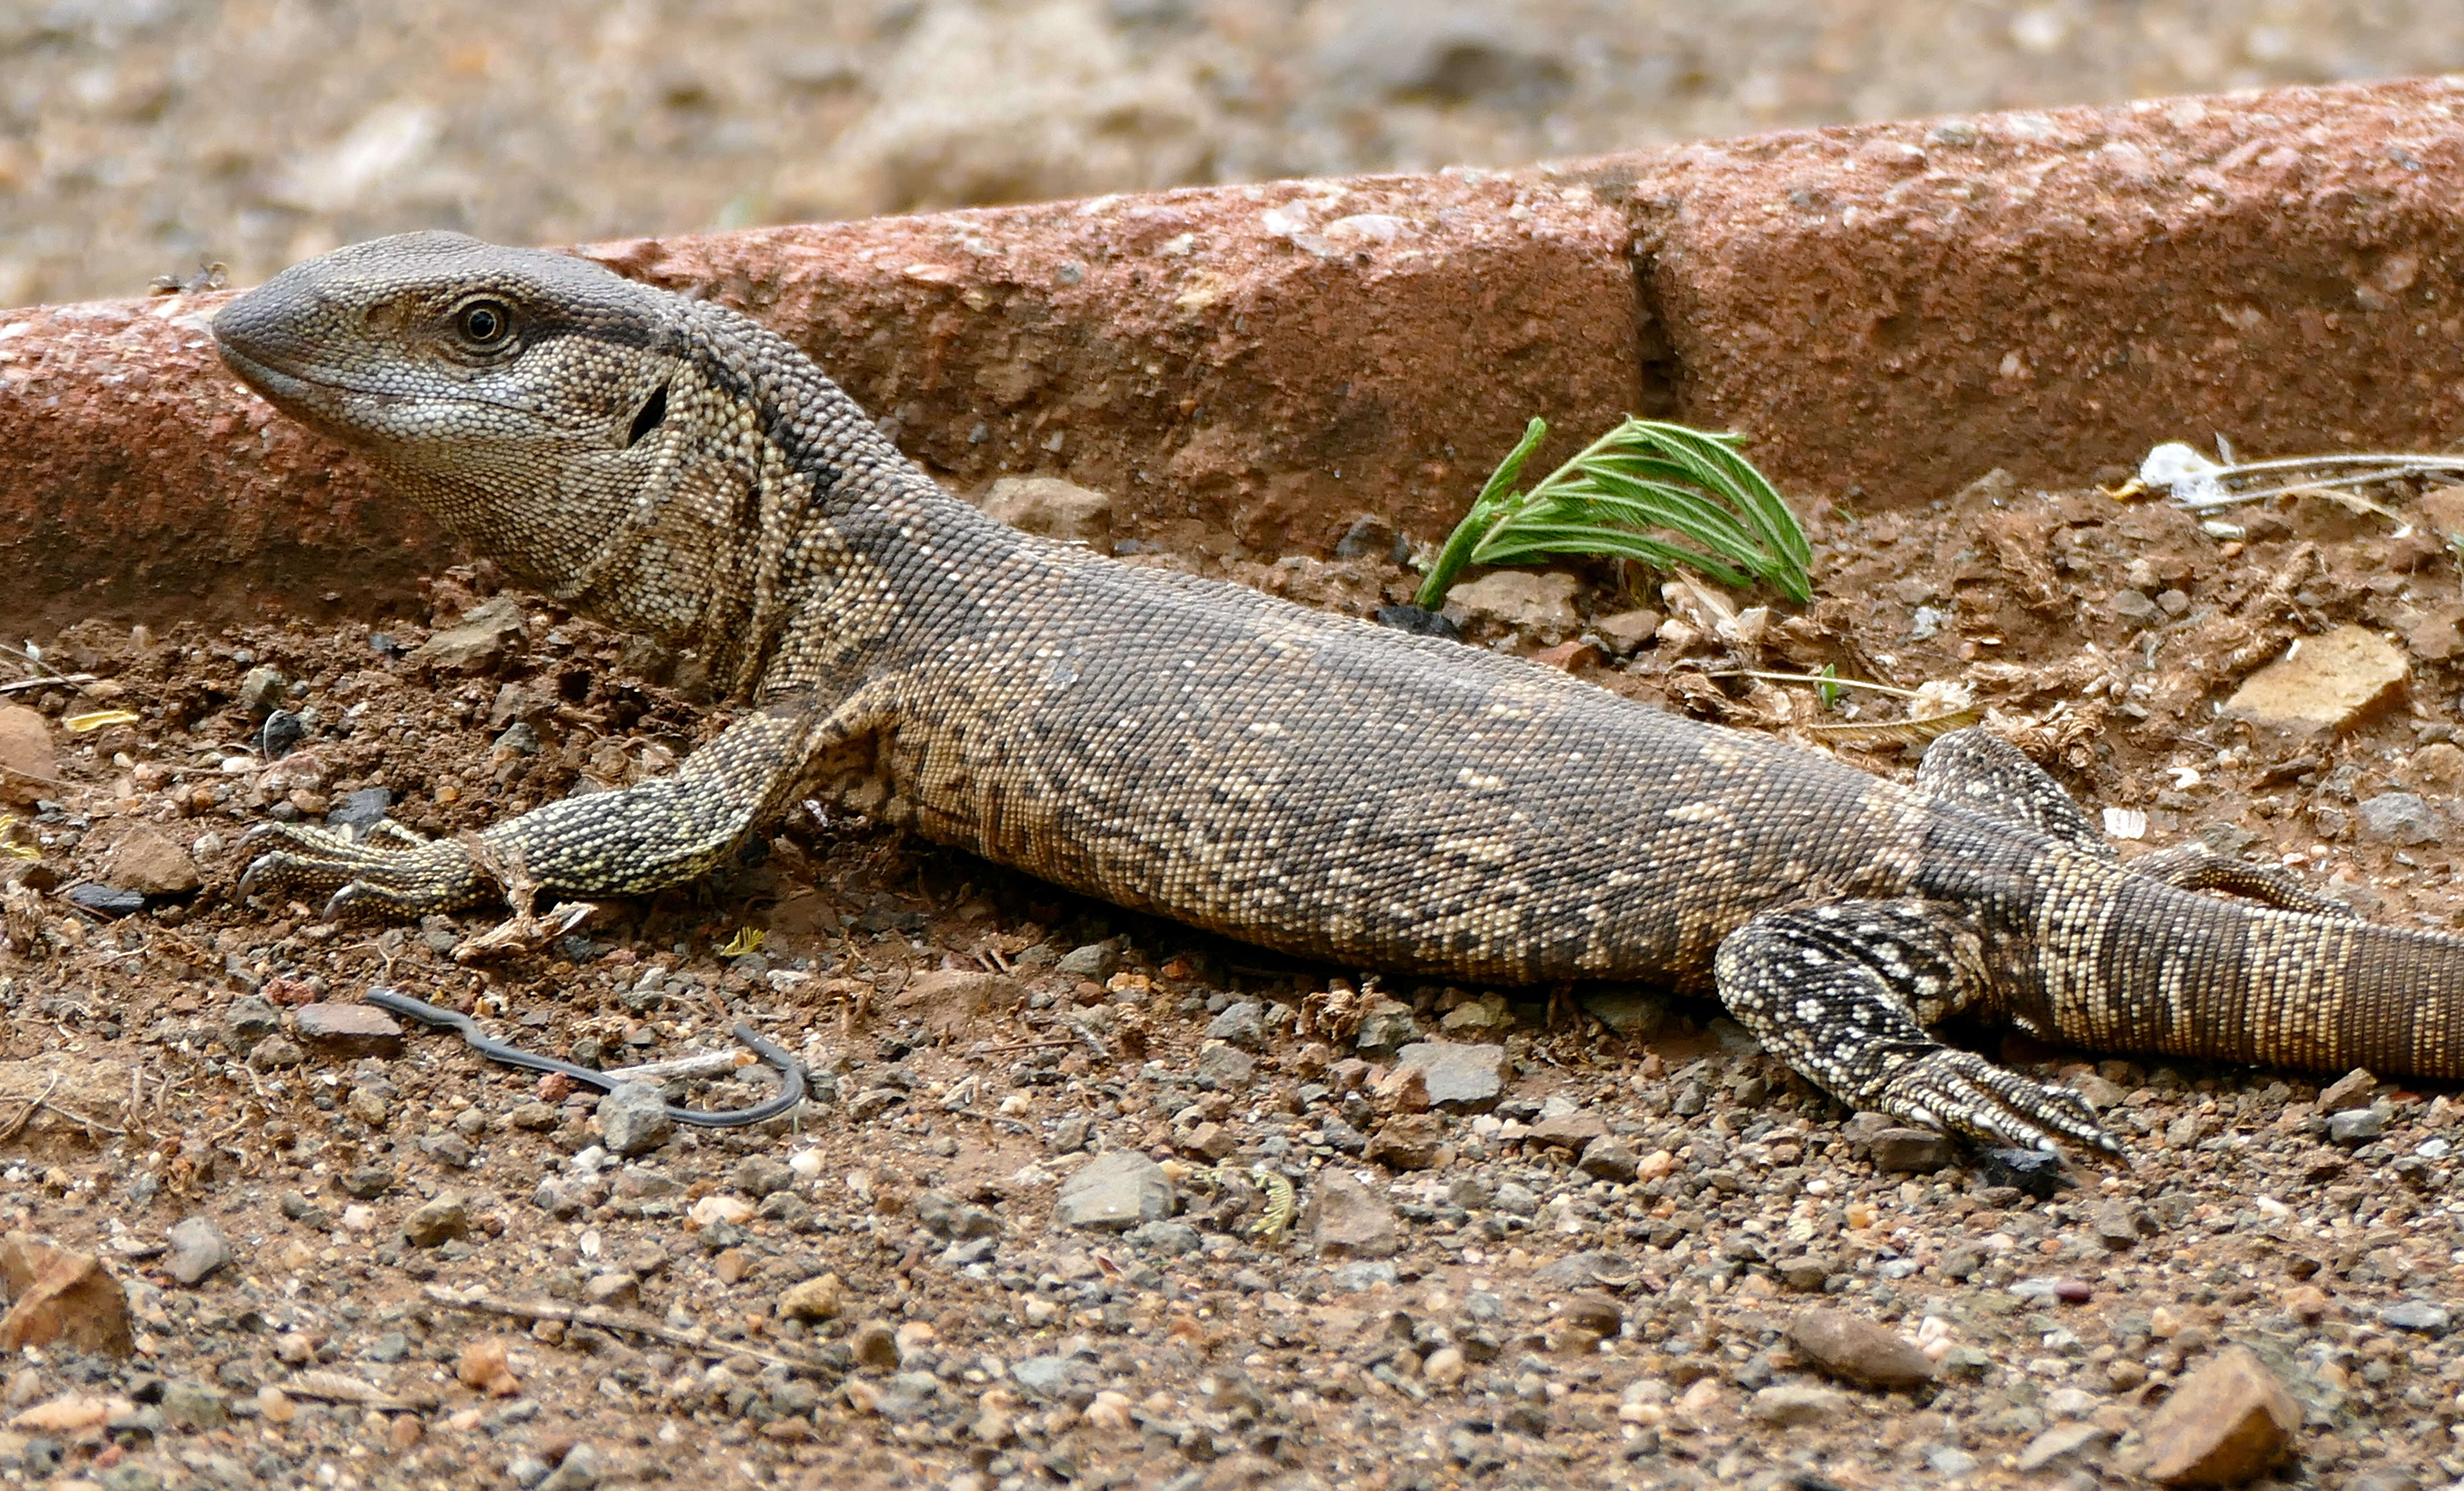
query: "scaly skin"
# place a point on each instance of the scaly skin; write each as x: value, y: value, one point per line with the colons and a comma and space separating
x: 1199, y: 750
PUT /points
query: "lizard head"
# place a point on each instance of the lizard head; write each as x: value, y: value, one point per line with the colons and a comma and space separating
x: 519, y: 395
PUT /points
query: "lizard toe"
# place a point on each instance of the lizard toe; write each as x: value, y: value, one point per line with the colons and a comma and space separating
x: 1962, y: 1091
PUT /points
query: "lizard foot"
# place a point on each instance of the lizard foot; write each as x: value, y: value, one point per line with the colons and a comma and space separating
x: 1842, y: 991
x: 392, y: 873
x: 1960, y: 1090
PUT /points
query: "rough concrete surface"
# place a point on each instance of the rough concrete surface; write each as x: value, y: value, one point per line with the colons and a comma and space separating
x: 1887, y: 311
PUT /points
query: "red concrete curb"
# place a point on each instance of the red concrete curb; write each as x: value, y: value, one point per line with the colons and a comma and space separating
x: 1888, y: 309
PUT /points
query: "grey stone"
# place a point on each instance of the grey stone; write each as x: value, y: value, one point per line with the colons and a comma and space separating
x: 1117, y: 1190
x: 633, y: 1119
x: 1386, y: 1027
x: 1457, y: 1076
x: 391, y: 1346
x: 1226, y: 1066
x: 1047, y: 1376
x: 757, y: 1175
x: 1242, y: 1024
x: 252, y: 1018
x: 367, y: 1182
x: 192, y: 1405
x: 1351, y: 1219
x: 2400, y: 817
x: 2057, y: 1441
x: 1361, y: 1277
x: 1173, y: 1238
x: 1515, y: 1199
x: 361, y: 811
x: 198, y: 1247
x: 1096, y: 961
x: 2356, y: 1125
x: 1609, y: 1157
x: 1950, y: 1460
x: 1905, y: 1149
x: 579, y: 1471
x: 2420, y: 1315
x: 1791, y: 1405
x: 1624, y: 631
x: 1634, y: 1016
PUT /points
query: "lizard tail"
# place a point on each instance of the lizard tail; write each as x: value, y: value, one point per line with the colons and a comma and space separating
x: 2188, y: 975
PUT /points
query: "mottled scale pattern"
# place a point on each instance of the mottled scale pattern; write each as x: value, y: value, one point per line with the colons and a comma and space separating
x: 1196, y: 749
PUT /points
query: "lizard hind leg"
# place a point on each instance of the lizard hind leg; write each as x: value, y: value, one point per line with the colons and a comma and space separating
x: 1983, y: 773
x: 1840, y: 991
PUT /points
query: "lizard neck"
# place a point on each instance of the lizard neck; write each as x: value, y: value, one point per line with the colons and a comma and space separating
x: 766, y: 538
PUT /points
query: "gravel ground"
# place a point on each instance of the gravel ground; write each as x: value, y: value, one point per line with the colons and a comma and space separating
x: 140, y: 137
x: 1026, y: 1237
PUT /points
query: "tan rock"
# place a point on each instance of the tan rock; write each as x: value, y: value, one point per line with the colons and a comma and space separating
x: 350, y: 1029
x: 70, y: 1414
x: 1350, y: 1220
x: 151, y: 863
x: 875, y: 1345
x: 1055, y: 507
x: 2228, y: 1422
x: 2322, y: 684
x: 28, y: 768
x: 1407, y: 1141
x: 2442, y: 511
x: 1626, y: 630
x: 1574, y: 1129
x: 950, y: 1001
x: 56, y: 1296
x: 1852, y: 1346
x: 813, y: 1299
x: 483, y: 638
x: 1531, y: 600
x: 1405, y: 1090
x: 2437, y: 769
x: 487, y: 1365
x: 2437, y: 637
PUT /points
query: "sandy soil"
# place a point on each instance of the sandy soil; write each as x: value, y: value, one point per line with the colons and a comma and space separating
x: 1435, y: 1320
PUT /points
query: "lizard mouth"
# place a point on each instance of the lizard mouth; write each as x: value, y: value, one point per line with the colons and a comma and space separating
x: 284, y: 387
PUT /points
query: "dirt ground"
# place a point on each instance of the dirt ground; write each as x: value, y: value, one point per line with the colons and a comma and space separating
x: 140, y: 137
x: 1464, y: 1298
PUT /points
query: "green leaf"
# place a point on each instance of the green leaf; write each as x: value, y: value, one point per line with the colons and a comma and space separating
x: 1618, y: 498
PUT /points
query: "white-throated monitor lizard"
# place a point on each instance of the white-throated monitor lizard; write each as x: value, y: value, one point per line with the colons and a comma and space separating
x: 1196, y: 749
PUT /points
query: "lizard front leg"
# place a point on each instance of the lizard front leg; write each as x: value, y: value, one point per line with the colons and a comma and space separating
x: 646, y: 837
x: 1841, y: 991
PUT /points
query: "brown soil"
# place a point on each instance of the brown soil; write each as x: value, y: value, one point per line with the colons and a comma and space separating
x: 1231, y: 1360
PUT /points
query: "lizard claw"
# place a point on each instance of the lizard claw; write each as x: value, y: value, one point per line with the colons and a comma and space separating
x: 1961, y: 1091
x: 392, y: 872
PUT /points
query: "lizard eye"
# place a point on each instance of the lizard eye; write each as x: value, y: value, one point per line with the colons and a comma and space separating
x: 485, y: 323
